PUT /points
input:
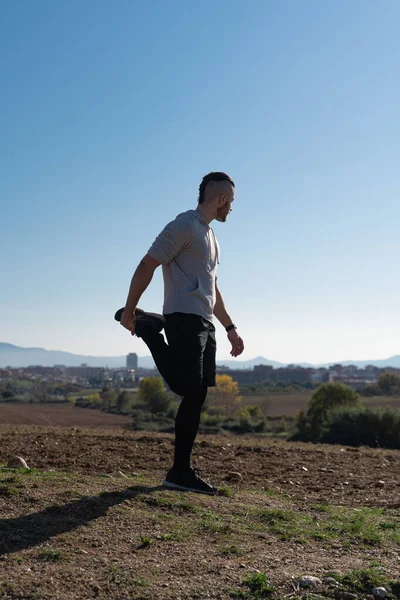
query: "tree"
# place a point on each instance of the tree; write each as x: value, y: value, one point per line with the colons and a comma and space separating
x: 149, y: 386
x: 94, y: 400
x: 225, y: 395
x: 109, y: 398
x: 152, y: 392
x: 124, y: 402
x: 159, y: 402
x: 7, y: 391
x: 389, y: 383
x: 325, y: 399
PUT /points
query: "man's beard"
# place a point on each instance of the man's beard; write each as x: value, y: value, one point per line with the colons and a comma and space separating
x: 222, y: 216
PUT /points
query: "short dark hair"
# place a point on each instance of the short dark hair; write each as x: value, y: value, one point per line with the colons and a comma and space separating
x: 214, y: 176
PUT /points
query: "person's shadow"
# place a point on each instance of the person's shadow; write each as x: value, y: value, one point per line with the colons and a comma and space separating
x: 20, y: 533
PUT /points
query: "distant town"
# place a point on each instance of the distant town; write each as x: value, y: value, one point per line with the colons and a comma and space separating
x: 84, y: 375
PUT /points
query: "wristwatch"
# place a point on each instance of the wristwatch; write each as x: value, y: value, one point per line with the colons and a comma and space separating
x: 230, y: 327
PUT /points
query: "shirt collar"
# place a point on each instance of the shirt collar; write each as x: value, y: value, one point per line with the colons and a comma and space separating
x: 201, y: 218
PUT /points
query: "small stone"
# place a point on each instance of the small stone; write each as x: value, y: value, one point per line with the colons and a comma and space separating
x: 304, y: 468
x: 380, y: 484
x: 234, y: 476
x: 379, y: 592
x: 331, y: 581
x: 17, y: 462
x: 346, y: 596
x: 242, y: 566
x: 309, y: 581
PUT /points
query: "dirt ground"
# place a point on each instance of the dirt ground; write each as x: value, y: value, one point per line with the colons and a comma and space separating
x: 64, y: 415
x: 92, y: 521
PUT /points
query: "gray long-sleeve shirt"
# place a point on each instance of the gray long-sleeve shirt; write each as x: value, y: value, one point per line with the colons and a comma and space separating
x: 189, y: 253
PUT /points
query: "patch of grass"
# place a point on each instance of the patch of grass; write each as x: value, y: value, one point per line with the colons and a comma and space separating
x: 231, y: 551
x: 167, y: 503
x: 145, y: 542
x: 322, y: 507
x: 256, y: 587
x: 363, y: 580
x: 53, y: 474
x: 267, y: 492
x: 20, y: 471
x: 51, y: 555
x: 286, y: 524
x: 11, y: 486
x: 212, y: 523
x: 225, y: 491
x: 363, y: 525
x: 386, y: 525
x: 115, y: 570
x: 277, y: 516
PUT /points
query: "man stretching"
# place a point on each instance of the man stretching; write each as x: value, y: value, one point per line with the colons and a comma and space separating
x: 188, y: 251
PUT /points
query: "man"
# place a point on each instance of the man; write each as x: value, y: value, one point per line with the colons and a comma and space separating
x: 189, y: 254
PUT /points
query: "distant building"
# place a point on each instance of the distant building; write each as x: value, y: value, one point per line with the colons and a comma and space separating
x: 92, y: 374
x: 297, y: 375
x: 132, y: 361
x: 262, y: 372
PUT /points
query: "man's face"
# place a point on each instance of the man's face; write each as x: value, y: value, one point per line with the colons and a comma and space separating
x: 226, y: 205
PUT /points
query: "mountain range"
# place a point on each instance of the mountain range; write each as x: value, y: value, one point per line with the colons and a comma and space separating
x: 16, y: 356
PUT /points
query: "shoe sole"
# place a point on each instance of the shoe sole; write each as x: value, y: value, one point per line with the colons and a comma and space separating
x: 175, y: 486
x: 119, y: 312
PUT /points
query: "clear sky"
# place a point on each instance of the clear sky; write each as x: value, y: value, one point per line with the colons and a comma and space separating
x: 111, y: 113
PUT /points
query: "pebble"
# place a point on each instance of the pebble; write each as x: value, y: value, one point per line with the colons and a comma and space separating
x: 379, y: 592
x: 330, y: 581
x: 380, y: 484
x: 309, y: 581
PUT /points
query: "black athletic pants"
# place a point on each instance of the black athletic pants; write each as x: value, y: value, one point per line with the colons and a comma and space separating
x: 187, y: 363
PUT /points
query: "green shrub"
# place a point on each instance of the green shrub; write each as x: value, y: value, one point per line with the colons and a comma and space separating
x: 159, y: 402
x: 355, y: 427
x: 389, y: 383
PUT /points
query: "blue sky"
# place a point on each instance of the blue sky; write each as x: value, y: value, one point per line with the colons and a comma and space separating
x: 111, y: 113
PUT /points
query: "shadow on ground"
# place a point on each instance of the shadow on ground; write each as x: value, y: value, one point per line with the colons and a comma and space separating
x: 31, y: 530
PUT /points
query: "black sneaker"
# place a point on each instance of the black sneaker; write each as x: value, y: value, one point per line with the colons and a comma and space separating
x: 188, y: 481
x: 145, y: 321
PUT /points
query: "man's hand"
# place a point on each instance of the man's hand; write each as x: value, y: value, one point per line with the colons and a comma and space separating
x: 236, y: 341
x: 128, y: 321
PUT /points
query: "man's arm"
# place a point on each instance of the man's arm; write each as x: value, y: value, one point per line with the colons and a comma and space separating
x: 220, y: 311
x: 173, y: 239
x: 140, y: 281
x: 224, y: 318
